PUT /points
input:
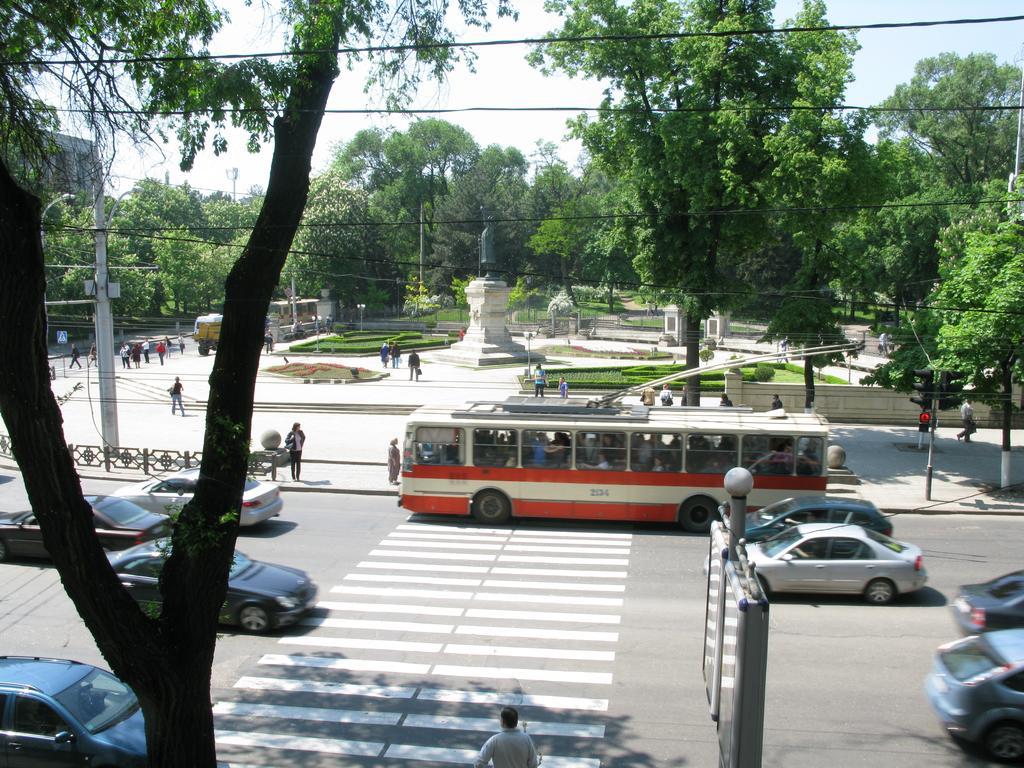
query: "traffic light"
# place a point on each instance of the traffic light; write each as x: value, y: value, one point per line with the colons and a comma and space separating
x: 925, y: 388
x: 924, y: 421
x: 949, y: 391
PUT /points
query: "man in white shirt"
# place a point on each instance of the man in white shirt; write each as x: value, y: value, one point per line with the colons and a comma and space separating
x: 512, y: 748
x: 967, y: 419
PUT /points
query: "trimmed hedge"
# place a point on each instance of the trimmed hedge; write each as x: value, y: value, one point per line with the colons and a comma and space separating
x: 369, y: 342
x: 631, y: 375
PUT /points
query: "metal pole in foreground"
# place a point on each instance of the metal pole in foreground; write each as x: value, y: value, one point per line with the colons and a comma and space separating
x: 931, y: 453
x: 104, y: 323
x: 738, y: 483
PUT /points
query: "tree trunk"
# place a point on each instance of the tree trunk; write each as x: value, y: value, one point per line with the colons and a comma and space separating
x: 166, y: 660
x: 611, y: 299
x: 692, y: 359
x: 808, y: 382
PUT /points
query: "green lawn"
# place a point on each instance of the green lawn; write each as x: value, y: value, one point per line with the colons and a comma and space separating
x: 628, y: 376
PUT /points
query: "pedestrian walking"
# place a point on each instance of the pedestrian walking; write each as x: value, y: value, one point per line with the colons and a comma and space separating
x: 647, y: 396
x: 414, y: 365
x: 145, y: 350
x: 396, y: 356
x: 75, y: 355
x: 394, y: 461
x: 268, y: 339
x: 92, y: 355
x: 181, y: 344
x: 563, y: 387
x: 776, y: 402
x: 294, y: 441
x: 666, y: 395
x: 161, y: 350
x: 784, y: 349
x: 511, y: 748
x: 967, y: 419
x: 168, y: 346
x: 385, y: 354
x: 126, y: 355
x: 175, y: 391
x: 540, y: 381
x: 136, y: 354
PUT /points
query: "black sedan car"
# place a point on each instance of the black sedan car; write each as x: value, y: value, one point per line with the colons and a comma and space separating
x: 770, y: 520
x: 260, y: 596
x: 996, y: 604
x: 119, y: 524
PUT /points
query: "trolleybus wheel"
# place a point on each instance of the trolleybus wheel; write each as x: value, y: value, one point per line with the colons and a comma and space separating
x: 491, y: 507
x: 697, y: 513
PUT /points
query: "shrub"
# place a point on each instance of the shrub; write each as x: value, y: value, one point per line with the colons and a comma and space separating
x: 764, y: 373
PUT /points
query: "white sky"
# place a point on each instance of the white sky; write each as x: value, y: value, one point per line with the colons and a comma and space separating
x: 503, y: 78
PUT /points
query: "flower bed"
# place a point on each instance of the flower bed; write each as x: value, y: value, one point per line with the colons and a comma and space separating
x: 631, y: 375
x: 369, y: 342
x: 323, y: 372
x: 597, y: 349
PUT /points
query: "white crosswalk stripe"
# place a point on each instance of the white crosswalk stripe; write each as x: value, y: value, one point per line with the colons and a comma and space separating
x: 435, y: 581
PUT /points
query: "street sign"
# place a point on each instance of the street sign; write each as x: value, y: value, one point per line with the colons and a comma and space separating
x: 62, y: 337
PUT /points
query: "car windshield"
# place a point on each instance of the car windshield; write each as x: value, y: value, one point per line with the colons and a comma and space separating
x: 779, y: 543
x: 1007, y: 586
x: 885, y: 541
x: 239, y: 564
x: 122, y: 512
x: 99, y: 700
x: 769, y: 513
x: 969, y: 660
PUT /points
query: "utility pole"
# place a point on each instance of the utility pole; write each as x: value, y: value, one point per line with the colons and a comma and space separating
x: 421, y: 242
x: 232, y: 174
x: 1020, y: 133
x: 104, y: 319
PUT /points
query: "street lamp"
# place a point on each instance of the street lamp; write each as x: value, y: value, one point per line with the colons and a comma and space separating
x: 360, y: 307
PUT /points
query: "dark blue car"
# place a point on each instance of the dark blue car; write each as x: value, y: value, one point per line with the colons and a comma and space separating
x: 770, y: 520
x: 56, y: 712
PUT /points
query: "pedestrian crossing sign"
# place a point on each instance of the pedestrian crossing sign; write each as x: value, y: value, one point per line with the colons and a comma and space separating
x: 62, y: 337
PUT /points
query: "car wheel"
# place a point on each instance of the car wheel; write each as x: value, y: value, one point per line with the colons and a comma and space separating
x: 3, y: 550
x: 253, y: 618
x: 696, y: 514
x: 491, y: 507
x: 1005, y: 741
x: 880, y: 591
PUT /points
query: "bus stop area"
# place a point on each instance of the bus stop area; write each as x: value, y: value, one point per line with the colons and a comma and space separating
x: 346, y: 448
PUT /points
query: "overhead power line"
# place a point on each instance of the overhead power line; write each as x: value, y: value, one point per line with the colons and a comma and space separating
x: 554, y: 39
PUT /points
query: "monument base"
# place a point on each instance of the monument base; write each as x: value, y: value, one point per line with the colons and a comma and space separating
x: 481, y: 355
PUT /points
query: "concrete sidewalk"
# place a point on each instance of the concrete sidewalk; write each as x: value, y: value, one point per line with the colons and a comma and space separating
x: 346, y: 452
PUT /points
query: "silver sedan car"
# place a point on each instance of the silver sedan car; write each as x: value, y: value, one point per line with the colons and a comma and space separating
x: 822, y: 557
x: 260, y: 500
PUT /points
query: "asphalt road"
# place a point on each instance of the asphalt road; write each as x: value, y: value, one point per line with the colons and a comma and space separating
x: 844, y: 678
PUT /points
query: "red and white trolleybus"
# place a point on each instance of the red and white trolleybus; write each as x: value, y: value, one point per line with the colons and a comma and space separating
x: 564, y: 459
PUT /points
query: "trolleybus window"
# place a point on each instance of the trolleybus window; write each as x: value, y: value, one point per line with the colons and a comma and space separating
x: 768, y: 454
x: 714, y: 454
x: 549, y: 449
x: 495, y: 447
x: 600, y: 450
x: 809, y: 452
x: 438, y: 445
x: 656, y: 452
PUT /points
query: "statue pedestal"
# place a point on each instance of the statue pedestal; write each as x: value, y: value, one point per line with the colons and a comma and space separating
x: 487, y: 340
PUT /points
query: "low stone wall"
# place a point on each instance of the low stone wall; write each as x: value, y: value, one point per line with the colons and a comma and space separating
x: 851, y: 403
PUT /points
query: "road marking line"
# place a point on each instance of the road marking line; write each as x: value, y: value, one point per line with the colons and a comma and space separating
x: 372, y: 643
x: 320, y: 714
x: 404, y: 608
x: 589, y: 618
x: 537, y: 728
x: 357, y: 665
x: 499, y: 570
x: 572, y: 534
x: 303, y: 743
x: 437, y: 544
x: 315, y: 686
x: 468, y: 756
x: 498, y: 583
x: 513, y: 699
x: 401, y: 535
x: 392, y: 566
x: 443, y: 594
x: 395, y: 626
x: 521, y: 673
x: 536, y: 633
x: 432, y: 555
x: 567, y: 550
x: 430, y: 527
x: 561, y: 560
x: 395, y: 579
x: 531, y: 653
x: 526, y: 597
x: 566, y: 542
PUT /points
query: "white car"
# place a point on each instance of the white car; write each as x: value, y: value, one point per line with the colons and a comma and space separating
x: 824, y: 557
x: 260, y: 500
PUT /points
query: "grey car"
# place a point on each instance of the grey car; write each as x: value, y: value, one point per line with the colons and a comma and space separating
x: 976, y: 687
x: 825, y: 558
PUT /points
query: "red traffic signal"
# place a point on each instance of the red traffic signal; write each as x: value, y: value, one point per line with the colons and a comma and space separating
x: 924, y: 421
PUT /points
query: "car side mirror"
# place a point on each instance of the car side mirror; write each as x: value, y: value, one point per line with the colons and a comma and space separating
x: 64, y: 737
x: 787, y: 557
